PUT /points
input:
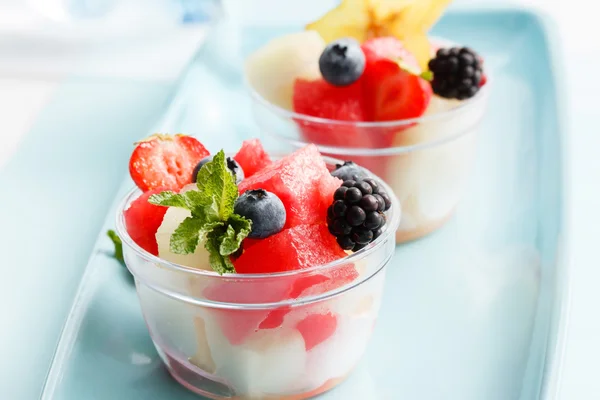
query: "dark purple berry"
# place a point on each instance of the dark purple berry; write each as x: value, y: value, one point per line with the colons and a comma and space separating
x: 374, y: 220
x: 386, y: 199
x: 359, y: 246
x: 349, y: 171
x: 377, y: 233
x: 339, y: 208
x: 264, y: 209
x: 352, y: 195
x: 456, y: 73
x: 349, y: 183
x: 355, y: 216
x: 330, y: 214
x: 364, y: 187
x: 369, y: 203
x: 233, y: 166
x: 341, y: 227
x: 374, y: 185
x: 362, y: 235
x: 339, y: 193
x: 342, y: 62
x: 380, y: 202
x: 345, y: 242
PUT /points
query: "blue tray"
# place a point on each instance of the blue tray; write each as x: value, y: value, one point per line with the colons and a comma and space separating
x: 471, y: 312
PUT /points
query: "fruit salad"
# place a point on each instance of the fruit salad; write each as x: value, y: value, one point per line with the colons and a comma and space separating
x: 366, y: 83
x: 258, y: 276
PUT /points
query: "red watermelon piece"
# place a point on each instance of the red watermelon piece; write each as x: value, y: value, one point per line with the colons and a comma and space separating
x: 301, y: 180
x: 316, y: 328
x: 252, y: 157
x: 143, y: 219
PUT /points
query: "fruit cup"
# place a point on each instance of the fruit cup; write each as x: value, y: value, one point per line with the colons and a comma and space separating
x: 426, y: 160
x: 289, y: 335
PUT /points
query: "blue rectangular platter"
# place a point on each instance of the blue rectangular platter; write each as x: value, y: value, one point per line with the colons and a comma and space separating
x: 472, y: 312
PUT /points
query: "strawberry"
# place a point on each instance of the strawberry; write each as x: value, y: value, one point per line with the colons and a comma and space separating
x: 143, y: 219
x: 393, y: 89
x: 165, y: 161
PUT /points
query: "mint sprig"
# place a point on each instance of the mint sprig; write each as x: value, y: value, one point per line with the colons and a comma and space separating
x: 212, y: 219
x: 118, y: 245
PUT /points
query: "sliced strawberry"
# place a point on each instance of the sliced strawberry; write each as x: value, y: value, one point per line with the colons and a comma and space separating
x: 143, y: 219
x: 483, y: 80
x: 165, y: 161
x: 391, y: 92
x: 252, y: 157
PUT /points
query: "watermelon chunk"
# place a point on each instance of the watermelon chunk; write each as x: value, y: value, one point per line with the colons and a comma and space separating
x: 252, y: 157
x: 142, y: 220
x: 299, y: 247
x: 317, y: 328
x: 302, y: 181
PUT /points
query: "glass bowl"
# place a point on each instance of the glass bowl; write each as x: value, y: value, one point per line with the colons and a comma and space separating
x: 288, y: 335
x: 425, y: 160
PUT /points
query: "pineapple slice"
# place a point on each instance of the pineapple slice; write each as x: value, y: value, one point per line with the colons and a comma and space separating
x: 350, y: 19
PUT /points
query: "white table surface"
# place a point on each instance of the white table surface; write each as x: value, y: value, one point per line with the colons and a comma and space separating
x: 23, y: 97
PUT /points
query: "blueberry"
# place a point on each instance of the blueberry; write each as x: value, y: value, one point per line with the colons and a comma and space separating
x: 233, y: 166
x: 349, y: 171
x: 264, y: 209
x: 342, y: 62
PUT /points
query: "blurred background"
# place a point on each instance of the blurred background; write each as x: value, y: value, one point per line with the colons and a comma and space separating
x: 71, y: 70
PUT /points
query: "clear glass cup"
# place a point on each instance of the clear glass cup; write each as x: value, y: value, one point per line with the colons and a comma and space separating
x: 288, y: 335
x: 425, y: 160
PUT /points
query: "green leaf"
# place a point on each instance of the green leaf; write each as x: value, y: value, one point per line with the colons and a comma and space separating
x: 238, y: 229
x: 118, y: 245
x: 221, y: 264
x: 217, y: 183
x: 427, y: 75
x: 185, y: 238
x: 169, y: 199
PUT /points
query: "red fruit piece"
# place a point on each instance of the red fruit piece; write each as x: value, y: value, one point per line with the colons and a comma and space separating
x: 165, y: 161
x: 316, y: 328
x: 321, y: 99
x: 252, y: 157
x: 143, y: 219
x: 392, y: 93
x: 299, y: 247
x: 301, y: 180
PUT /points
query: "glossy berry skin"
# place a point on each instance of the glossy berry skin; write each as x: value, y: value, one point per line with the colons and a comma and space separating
x: 356, y: 216
x: 457, y: 73
x: 264, y: 209
x: 232, y: 165
x: 342, y: 62
x: 349, y: 171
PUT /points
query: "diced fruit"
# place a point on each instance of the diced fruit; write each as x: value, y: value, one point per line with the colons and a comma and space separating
x: 232, y: 165
x: 174, y: 216
x: 350, y: 19
x: 142, y: 220
x: 165, y: 161
x: 252, y: 157
x: 316, y: 328
x: 391, y: 92
x: 271, y: 70
x: 264, y: 209
x: 299, y: 180
x: 342, y: 62
x: 296, y: 248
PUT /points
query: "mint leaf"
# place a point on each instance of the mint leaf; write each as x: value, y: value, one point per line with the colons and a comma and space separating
x: 238, y: 229
x: 217, y: 183
x: 427, y: 75
x: 185, y: 238
x: 218, y: 262
x: 118, y: 245
x: 169, y: 199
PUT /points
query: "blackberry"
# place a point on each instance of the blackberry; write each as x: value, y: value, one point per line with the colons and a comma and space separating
x: 457, y: 73
x: 349, y: 171
x: 356, y: 216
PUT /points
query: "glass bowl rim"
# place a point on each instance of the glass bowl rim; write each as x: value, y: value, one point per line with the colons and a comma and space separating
x: 363, y: 253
